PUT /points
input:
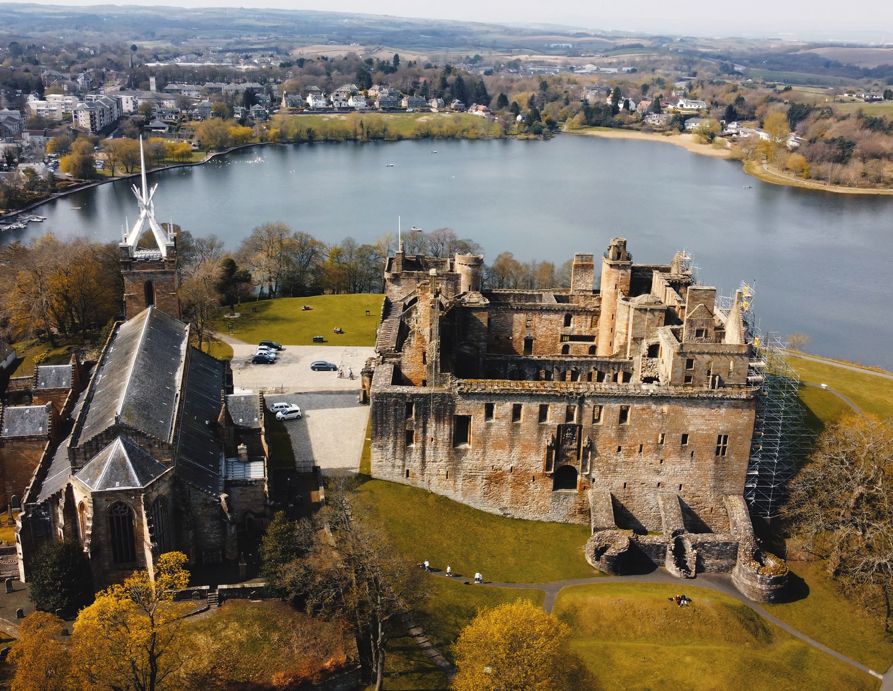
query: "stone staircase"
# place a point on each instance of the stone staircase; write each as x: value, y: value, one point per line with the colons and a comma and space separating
x: 213, y: 599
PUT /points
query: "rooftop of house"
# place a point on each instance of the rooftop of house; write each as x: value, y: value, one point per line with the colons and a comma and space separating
x: 53, y: 377
x: 245, y: 410
x: 25, y: 421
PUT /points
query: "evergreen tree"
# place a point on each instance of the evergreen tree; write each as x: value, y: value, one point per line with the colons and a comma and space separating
x: 502, y: 102
x: 459, y: 90
x: 395, y: 61
x: 480, y: 93
x: 60, y: 578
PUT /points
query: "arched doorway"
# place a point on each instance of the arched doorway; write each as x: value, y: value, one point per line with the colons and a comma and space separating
x: 565, y: 478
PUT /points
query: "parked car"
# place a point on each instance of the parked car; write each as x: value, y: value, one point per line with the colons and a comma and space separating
x: 272, y: 345
x: 267, y: 352
x: 323, y: 366
x: 263, y: 359
x: 293, y: 412
x: 281, y: 405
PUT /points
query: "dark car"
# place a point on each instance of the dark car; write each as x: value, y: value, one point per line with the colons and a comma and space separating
x: 261, y: 359
x: 271, y: 344
x: 323, y: 366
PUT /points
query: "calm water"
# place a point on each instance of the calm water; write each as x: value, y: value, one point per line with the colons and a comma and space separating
x: 821, y: 263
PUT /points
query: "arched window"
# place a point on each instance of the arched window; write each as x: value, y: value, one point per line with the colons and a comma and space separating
x: 159, y: 525
x: 149, y: 290
x: 565, y: 349
x: 565, y: 478
x: 121, y: 530
x: 82, y: 521
x: 568, y: 319
x: 592, y: 350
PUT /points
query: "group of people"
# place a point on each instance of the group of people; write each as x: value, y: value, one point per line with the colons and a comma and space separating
x: 426, y: 565
x: 342, y: 375
x: 682, y: 600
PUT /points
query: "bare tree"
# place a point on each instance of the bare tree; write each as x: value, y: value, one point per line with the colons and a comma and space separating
x: 200, y: 298
x: 842, y: 504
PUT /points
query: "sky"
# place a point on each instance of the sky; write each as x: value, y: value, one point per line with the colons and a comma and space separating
x: 854, y: 20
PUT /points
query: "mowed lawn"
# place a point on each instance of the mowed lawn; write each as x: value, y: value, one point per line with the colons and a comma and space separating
x: 283, y: 320
x: 871, y: 393
x: 631, y: 636
x: 826, y: 615
x: 424, y: 526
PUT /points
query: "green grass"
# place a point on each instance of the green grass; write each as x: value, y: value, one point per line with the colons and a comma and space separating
x: 32, y: 352
x: 407, y: 668
x: 217, y: 348
x: 282, y: 453
x: 7, y: 532
x: 427, y: 526
x: 823, y: 407
x: 872, y: 394
x: 883, y: 108
x: 366, y: 456
x: 283, y: 320
x: 451, y: 605
x: 825, y: 615
x: 631, y: 636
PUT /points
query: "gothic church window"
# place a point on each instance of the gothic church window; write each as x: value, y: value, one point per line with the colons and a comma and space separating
x: 121, y: 530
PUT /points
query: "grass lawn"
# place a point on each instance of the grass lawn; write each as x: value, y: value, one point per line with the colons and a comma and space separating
x: 825, y: 615
x: 32, y: 351
x: 283, y: 320
x: 7, y: 532
x: 882, y: 108
x: 217, y: 348
x: 407, y: 668
x: 427, y: 526
x: 630, y: 636
x: 823, y: 407
x: 872, y: 394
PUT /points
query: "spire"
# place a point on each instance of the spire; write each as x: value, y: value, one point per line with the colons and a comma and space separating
x: 399, y: 237
x: 144, y: 197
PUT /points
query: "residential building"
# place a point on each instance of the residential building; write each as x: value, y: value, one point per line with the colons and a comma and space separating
x: 11, y: 124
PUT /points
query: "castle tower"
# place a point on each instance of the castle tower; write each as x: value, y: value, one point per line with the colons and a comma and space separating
x: 582, y: 274
x: 150, y: 275
x: 470, y: 269
x: 615, y: 281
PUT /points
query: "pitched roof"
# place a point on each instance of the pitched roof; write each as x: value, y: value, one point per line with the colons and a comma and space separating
x: 199, y: 458
x: 121, y: 465
x: 25, y: 421
x: 54, y: 376
x: 138, y: 378
x: 244, y: 409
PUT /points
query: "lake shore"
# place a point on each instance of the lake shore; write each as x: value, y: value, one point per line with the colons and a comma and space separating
x: 689, y: 142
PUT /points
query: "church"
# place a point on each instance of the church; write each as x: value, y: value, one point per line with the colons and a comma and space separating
x: 155, y: 452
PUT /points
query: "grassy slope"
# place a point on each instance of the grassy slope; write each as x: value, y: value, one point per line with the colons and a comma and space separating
x: 872, y: 394
x: 284, y: 321
x: 632, y: 637
x: 427, y: 526
x: 824, y: 614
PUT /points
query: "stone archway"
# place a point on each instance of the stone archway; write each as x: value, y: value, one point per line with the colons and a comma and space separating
x: 565, y: 478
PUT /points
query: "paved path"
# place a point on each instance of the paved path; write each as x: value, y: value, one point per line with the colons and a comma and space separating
x: 843, y: 397
x: 716, y: 582
x: 841, y: 365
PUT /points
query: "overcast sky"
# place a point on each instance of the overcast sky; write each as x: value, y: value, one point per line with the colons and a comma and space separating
x: 862, y: 20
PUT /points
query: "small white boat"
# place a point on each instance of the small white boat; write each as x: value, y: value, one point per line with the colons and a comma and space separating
x: 434, y: 152
x: 389, y: 165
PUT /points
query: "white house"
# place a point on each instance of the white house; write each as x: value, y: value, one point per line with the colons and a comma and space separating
x: 357, y: 102
x: 341, y: 96
x: 317, y: 100
x: 690, y: 105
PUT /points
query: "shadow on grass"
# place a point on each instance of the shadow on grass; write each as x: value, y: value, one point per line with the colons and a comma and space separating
x: 796, y: 589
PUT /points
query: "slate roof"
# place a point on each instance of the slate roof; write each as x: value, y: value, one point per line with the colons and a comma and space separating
x: 244, y: 409
x: 56, y: 477
x: 138, y: 379
x: 25, y: 421
x: 198, y: 454
x: 54, y: 377
x: 121, y: 465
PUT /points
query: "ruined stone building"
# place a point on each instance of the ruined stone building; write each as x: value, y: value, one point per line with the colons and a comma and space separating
x: 629, y: 406
x: 153, y: 451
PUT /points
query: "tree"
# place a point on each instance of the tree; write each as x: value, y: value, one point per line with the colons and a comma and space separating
x: 841, y: 503
x: 656, y: 106
x: 131, y: 636
x: 797, y: 341
x: 517, y: 646
x: 60, y: 578
x: 42, y: 661
x: 266, y: 251
x: 122, y: 152
x: 284, y: 542
x: 505, y: 272
x: 213, y: 134
x: 888, y: 94
x: 200, y: 299
x: 60, y: 144
x: 233, y: 283
x: 502, y: 102
x: 395, y: 61
x: 240, y: 135
x: 776, y: 126
x: 79, y: 163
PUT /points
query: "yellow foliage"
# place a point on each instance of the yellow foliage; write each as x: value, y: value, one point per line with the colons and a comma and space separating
x: 517, y: 646
x: 41, y: 660
x: 798, y: 164
x: 239, y: 134
x: 776, y: 126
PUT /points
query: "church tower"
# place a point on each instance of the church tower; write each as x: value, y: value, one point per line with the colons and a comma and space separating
x: 150, y: 275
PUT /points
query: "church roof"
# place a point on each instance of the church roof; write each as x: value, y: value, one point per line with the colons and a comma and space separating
x: 138, y: 379
x: 199, y: 461
x: 121, y: 465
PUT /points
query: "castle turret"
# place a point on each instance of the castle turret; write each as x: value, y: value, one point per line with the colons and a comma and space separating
x: 583, y: 273
x: 470, y: 268
x: 615, y: 281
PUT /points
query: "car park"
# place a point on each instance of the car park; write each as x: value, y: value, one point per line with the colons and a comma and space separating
x: 263, y: 359
x: 272, y: 345
x: 281, y: 405
x: 293, y: 412
x: 266, y: 351
x: 323, y: 366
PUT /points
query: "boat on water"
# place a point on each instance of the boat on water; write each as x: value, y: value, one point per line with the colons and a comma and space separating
x: 389, y: 165
x: 416, y: 228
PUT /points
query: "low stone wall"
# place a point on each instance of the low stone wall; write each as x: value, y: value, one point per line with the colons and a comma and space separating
x: 243, y: 591
x: 716, y: 553
x: 609, y: 551
x: 762, y: 580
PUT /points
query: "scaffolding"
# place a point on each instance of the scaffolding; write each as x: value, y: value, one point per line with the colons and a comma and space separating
x: 780, y: 435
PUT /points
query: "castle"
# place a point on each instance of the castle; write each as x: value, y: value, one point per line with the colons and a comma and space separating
x: 630, y: 407
x: 153, y: 451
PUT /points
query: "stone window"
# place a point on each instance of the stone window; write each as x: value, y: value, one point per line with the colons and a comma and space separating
x: 159, y: 526
x: 410, y: 410
x: 149, y: 293
x: 599, y: 376
x: 516, y: 412
x: 565, y: 350
x: 570, y: 413
x: 461, y: 430
x: 624, y: 415
x: 82, y: 521
x: 528, y: 346
x: 689, y: 363
x: 591, y: 352
x: 641, y: 448
x: 528, y: 323
x: 684, y: 439
x: 688, y: 379
x: 722, y: 445
x: 410, y: 437
x: 700, y: 333
x: 568, y: 320
x: 654, y: 350
x: 660, y: 438
x: 121, y: 532
x: 626, y: 377
x: 596, y: 414
x: 488, y: 412
x: 544, y: 413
